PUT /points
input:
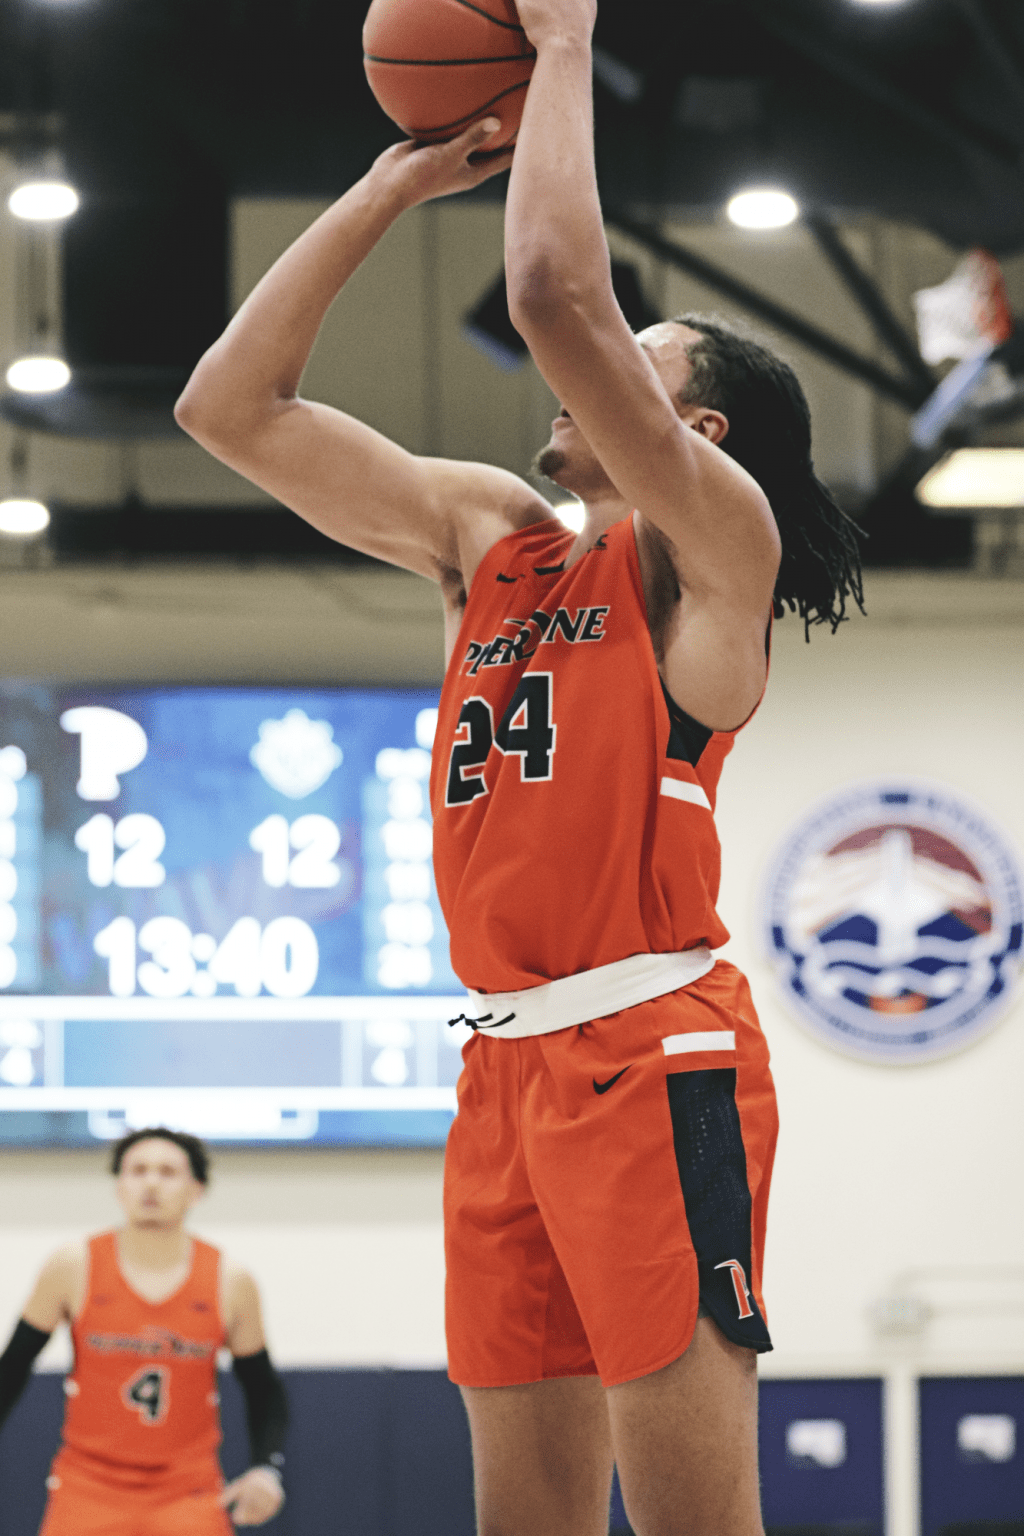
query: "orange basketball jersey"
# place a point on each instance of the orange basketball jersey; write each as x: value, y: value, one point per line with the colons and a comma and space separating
x: 142, y: 1394
x: 572, y: 800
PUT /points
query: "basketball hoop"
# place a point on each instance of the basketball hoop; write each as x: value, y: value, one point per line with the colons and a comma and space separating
x: 967, y: 314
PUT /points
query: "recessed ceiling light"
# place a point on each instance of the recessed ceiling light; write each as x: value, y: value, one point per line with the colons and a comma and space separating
x: 18, y: 514
x: 975, y: 477
x: 43, y: 200
x: 38, y: 375
x: 762, y: 208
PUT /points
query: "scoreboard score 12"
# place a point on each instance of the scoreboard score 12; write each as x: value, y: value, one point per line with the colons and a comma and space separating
x: 217, y: 911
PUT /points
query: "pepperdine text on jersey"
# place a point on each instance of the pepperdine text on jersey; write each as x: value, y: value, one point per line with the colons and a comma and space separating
x: 539, y: 629
x: 153, y: 1343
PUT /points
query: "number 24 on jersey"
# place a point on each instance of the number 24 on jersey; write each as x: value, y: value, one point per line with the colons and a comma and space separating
x: 526, y: 729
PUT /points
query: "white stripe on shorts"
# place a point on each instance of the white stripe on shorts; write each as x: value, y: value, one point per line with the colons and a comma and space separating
x: 700, y: 1040
x: 682, y: 789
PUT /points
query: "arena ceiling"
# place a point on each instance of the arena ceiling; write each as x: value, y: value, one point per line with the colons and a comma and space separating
x: 913, y: 110
x: 166, y: 109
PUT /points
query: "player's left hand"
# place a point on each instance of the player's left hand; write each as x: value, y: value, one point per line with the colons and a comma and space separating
x: 254, y: 1497
x: 543, y: 20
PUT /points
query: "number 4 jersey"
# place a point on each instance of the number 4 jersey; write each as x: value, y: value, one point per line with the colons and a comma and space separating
x: 572, y: 799
x: 142, y: 1394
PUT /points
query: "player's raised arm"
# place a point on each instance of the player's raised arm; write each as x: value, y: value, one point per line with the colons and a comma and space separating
x: 257, y: 1495
x: 355, y: 485
x: 723, y: 537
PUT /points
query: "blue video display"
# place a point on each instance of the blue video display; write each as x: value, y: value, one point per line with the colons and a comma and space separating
x: 217, y: 910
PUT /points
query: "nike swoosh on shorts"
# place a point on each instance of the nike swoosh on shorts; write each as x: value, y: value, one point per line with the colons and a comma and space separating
x: 603, y: 1087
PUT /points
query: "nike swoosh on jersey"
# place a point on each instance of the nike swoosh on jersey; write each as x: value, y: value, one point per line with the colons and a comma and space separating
x: 610, y: 1083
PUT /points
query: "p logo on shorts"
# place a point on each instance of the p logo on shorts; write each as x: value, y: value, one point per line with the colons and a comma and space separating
x: 739, y: 1285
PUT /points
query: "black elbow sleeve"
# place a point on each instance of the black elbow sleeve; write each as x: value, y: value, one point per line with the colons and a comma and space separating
x: 266, y: 1408
x: 16, y: 1363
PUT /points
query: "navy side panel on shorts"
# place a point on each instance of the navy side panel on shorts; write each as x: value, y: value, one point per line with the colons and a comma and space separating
x: 712, y: 1167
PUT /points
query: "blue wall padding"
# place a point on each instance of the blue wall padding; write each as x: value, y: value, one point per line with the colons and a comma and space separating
x: 957, y: 1487
x: 386, y: 1453
x: 382, y: 1453
x: 795, y: 1493
x: 27, y: 1444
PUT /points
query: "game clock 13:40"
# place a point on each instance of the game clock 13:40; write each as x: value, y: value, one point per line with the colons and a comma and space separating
x: 204, y: 842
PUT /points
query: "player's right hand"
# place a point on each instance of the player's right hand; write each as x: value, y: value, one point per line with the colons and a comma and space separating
x: 426, y: 171
x: 253, y: 1498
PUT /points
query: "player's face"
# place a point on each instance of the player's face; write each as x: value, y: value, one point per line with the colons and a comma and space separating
x: 568, y: 458
x: 155, y: 1186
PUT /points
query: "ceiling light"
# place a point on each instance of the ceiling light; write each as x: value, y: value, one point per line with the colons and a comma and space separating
x: 38, y: 375
x: 43, y: 200
x: 19, y: 515
x: 572, y: 514
x: 762, y: 208
x: 975, y: 477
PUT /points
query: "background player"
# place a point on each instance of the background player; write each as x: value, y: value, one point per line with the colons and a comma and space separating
x: 535, y: 890
x: 149, y: 1306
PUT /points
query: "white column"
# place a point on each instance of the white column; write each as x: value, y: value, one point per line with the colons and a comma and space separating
x: 900, y: 1437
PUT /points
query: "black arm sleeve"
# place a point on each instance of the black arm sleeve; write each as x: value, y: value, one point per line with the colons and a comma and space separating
x: 16, y: 1363
x: 266, y: 1408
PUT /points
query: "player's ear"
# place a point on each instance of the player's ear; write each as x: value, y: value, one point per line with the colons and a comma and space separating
x: 708, y: 423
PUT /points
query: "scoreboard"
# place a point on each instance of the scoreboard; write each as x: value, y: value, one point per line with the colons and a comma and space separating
x: 217, y: 912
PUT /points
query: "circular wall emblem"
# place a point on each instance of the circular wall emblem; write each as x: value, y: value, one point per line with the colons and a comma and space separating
x: 894, y: 921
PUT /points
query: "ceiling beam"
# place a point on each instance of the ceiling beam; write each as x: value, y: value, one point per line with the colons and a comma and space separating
x: 1000, y: 56
x: 871, y: 300
x: 972, y: 148
x: 903, y: 390
x: 136, y: 530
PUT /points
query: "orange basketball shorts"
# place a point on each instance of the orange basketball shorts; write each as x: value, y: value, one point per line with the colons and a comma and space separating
x: 604, y: 1181
x: 82, y: 1504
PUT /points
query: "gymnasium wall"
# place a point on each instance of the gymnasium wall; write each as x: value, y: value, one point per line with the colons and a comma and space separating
x: 881, y: 1170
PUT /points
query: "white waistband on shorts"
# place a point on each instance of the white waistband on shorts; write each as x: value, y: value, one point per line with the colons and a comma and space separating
x: 589, y: 995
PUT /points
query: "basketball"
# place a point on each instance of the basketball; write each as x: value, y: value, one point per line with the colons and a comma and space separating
x: 437, y: 66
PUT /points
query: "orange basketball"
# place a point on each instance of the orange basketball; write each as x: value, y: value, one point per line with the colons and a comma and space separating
x: 436, y: 66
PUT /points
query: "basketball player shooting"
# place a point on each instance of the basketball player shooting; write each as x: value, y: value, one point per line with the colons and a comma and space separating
x: 606, y: 1177
x: 149, y: 1307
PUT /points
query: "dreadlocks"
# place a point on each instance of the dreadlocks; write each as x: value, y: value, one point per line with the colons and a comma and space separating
x: 770, y: 435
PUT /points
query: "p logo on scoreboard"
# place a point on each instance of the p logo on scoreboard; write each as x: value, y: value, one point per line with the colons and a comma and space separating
x: 893, y: 919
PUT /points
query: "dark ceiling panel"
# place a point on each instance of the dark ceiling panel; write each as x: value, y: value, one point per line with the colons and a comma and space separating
x: 167, y: 108
x: 907, y: 110
x: 134, y: 531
